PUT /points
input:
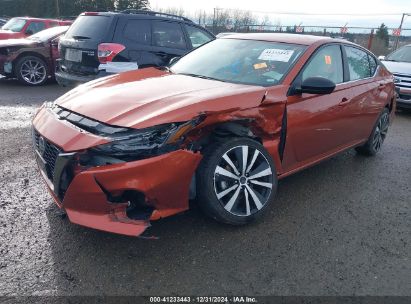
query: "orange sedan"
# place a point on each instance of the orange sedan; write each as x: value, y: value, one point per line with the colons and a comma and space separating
x: 220, y: 126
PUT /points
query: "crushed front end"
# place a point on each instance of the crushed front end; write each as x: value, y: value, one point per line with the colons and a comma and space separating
x: 110, y: 178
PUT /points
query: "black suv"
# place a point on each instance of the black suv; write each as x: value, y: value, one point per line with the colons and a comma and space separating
x: 98, y: 44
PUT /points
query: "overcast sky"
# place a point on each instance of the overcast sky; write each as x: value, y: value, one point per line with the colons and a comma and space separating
x: 356, y: 12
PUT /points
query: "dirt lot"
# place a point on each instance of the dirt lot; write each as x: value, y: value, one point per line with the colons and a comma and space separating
x: 340, y: 228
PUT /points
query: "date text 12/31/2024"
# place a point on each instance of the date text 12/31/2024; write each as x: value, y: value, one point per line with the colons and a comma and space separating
x: 175, y: 299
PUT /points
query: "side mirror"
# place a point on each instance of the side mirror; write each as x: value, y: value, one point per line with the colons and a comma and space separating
x: 381, y: 57
x: 316, y: 85
x: 29, y: 32
x: 173, y: 60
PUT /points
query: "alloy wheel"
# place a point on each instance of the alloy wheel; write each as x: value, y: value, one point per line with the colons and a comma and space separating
x: 380, y: 132
x: 33, y: 71
x: 243, y: 180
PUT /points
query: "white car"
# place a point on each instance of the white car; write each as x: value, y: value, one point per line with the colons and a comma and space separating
x: 399, y: 63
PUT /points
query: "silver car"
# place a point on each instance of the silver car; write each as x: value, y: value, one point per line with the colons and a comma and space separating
x: 399, y: 63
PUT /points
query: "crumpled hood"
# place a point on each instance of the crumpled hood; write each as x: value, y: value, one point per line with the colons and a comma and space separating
x: 150, y: 97
x: 398, y: 67
x: 9, y: 35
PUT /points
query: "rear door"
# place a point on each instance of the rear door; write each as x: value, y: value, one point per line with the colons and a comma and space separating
x: 168, y: 41
x: 135, y: 34
x: 369, y: 93
x: 78, y: 48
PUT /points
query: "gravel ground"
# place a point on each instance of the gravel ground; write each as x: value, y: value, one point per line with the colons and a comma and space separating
x: 340, y: 228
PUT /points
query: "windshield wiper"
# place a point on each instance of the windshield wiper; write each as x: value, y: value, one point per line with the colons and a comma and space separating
x: 80, y: 37
x: 201, y: 76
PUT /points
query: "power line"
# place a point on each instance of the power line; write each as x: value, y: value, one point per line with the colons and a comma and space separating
x: 312, y: 14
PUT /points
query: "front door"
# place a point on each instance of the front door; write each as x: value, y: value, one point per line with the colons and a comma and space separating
x: 318, y: 125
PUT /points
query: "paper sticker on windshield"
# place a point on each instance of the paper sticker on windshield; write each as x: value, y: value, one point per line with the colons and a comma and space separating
x: 261, y: 65
x: 327, y: 59
x: 276, y: 55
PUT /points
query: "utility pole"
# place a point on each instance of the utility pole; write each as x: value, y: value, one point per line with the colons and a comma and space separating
x: 400, y: 28
x: 57, y: 8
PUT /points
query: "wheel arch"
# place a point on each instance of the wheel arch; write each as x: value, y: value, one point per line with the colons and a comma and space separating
x: 27, y: 54
x: 238, y: 128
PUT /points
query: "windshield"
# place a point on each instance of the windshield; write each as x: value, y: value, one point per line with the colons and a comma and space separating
x: 14, y: 25
x: 402, y: 55
x: 48, y: 34
x: 240, y: 61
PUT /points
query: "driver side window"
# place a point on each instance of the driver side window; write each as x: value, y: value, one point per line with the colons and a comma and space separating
x: 35, y: 27
x: 327, y: 63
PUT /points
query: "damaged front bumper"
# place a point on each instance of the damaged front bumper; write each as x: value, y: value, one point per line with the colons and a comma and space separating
x: 121, y: 198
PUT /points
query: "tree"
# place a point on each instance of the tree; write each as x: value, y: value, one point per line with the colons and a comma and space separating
x: 382, y: 34
x: 132, y: 4
x: 48, y: 8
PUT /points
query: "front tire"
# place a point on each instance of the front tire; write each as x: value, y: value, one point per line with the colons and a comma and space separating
x: 236, y: 181
x: 378, y: 135
x: 32, y: 71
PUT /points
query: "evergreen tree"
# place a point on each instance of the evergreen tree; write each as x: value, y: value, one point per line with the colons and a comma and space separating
x: 382, y: 34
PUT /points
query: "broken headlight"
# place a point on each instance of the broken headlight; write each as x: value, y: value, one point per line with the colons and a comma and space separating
x: 136, y: 144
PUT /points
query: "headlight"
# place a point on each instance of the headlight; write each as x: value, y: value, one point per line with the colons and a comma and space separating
x: 136, y: 141
x: 147, y: 142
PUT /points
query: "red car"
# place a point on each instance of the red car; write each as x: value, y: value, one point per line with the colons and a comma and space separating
x: 21, y: 27
x: 32, y: 60
x: 220, y: 126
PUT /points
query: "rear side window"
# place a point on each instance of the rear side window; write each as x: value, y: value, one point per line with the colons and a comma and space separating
x: 327, y: 63
x: 89, y: 27
x: 197, y: 36
x: 373, y: 64
x: 168, y: 34
x: 138, y: 31
x: 358, y: 63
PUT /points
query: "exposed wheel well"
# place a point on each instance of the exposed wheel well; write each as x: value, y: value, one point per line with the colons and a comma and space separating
x: 221, y: 131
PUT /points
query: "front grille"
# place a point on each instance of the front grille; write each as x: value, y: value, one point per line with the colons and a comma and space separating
x: 49, y: 153
x: 405, y: 80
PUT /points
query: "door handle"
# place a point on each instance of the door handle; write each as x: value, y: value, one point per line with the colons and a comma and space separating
x: 344, y: 101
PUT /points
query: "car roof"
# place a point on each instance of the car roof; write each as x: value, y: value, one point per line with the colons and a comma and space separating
x: 143, y: 14
x: 37, y: 19
x: 284, y: 38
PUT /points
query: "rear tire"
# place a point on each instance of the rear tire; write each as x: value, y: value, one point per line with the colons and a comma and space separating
x: 32, y: 71
x: 378, y: 135
x: 236, y: 181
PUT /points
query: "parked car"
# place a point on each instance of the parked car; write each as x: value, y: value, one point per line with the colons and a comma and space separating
x: 102, y: 43
x: 21, y: 27
x: 123, y: 150
x: 2, y: 21
x: 31, y: 60
x: 399, y: 63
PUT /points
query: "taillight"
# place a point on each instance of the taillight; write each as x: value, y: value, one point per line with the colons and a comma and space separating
x: 107, y: 51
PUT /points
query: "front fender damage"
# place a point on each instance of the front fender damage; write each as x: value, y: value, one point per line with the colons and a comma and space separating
x: 164, y: 180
